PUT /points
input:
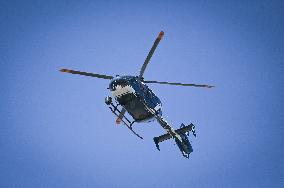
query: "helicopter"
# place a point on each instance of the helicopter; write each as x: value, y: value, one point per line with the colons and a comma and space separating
x: 132, y: 95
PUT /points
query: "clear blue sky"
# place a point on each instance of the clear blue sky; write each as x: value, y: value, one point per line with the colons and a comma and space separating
x: 56, y: 130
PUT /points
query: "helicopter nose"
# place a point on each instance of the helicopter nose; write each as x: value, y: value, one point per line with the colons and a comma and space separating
x: 111, y: 87
x: 118, y: 82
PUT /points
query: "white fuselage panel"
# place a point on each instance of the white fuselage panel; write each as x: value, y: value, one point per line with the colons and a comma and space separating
x: 120, y: 91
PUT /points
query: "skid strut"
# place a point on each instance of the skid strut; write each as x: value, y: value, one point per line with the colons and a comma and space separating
x: 124, y: 119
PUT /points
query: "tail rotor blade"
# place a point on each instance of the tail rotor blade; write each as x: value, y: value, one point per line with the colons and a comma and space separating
x: 103, y: 76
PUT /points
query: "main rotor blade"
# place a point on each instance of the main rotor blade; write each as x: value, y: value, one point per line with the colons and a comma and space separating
x: 87, y: 74
x: 179, y: 84
x: 120, y: 116
x: 147, y: 60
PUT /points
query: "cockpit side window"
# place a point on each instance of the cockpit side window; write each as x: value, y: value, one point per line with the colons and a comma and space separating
x: 123, y: 83
x: 149, y: 93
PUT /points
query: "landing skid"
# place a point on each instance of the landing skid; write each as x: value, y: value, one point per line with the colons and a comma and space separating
x: 124, y: 119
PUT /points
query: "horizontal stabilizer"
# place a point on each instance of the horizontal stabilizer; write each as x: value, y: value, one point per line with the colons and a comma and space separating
x: 182, y: 130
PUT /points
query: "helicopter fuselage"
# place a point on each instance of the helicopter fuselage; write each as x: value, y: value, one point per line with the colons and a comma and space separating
x: 135, y: 96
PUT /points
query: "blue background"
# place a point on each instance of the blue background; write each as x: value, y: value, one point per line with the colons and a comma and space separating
x: 56, y: 130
